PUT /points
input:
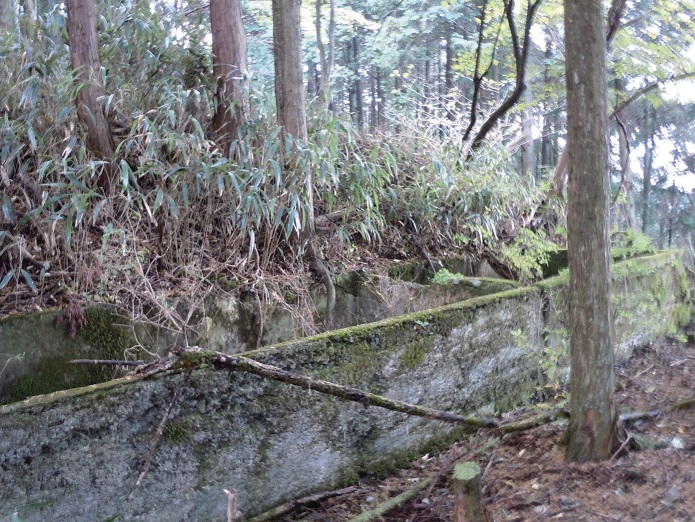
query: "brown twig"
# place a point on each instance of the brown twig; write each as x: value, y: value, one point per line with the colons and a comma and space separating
x: 620, y: 449
x: 106, y: 362
x: 233, y: 514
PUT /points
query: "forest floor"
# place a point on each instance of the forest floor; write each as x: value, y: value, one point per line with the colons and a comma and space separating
x: 525, y: 476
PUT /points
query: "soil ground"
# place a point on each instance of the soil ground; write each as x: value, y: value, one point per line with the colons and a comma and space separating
x: 525, y: 476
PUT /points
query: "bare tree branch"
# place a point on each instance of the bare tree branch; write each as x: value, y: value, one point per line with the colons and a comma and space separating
x: 520, y: 58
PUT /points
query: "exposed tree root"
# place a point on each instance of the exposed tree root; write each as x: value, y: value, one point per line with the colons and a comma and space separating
x: 316, y: 264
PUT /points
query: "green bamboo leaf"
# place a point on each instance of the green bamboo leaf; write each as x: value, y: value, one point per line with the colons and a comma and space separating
x: 68, y: 229
x: 7, y: 208
x: 29, y: 281
x: 173, y: 206
x: 71, y: 177
x: 7, y: 278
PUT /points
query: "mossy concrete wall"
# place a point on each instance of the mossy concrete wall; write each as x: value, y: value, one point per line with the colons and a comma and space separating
x: 76, y: 455
x: 37, y: 349
x: 34, y: 351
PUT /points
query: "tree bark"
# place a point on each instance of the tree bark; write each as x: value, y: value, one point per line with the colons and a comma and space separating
x: 528, y: 165
x: 648, y: 163
x: 326, y: 56
x: 289, y: 75
x: 547, y: 159
x: 359, y: 105
x: 592, y: 430
x: 229, y: 68
x: 521, y: 51
x: 8, y: 15
x: 626, y: 184
x: 84, y: 54
x: 291, y: 109
x: 449, y: 77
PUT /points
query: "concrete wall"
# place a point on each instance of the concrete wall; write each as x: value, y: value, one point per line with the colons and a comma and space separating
x: 75, y: 455
x: 45, y: 346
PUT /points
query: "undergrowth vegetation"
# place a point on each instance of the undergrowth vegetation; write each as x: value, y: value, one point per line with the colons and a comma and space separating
x: 185, y: 221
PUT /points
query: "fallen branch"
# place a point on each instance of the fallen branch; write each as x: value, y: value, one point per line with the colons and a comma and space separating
x: 195, y: 356
x: 534, y: 422
x: 290, y: 506
x: 638, y: 415
x: 106, y: 362
x: 392, y: 503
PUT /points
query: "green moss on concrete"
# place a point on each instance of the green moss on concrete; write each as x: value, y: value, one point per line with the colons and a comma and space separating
x: 49, y: 372
x: 681, y: 315
x: 415, y: 352
x: 47, y: 399
x: 177, y: 431
x: 102, y: 332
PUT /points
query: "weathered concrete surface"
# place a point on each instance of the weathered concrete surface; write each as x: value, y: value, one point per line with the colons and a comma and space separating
x: 34, y: 351
x: 76, y: 455
x: 45, y: 347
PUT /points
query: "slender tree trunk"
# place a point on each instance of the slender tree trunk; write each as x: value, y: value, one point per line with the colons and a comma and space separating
x: 626, y: 184
x: 427, y: 88
x: 326, y: 57
x: 8, y: 15
x: 84, y: 54
x: 359, y: 99
x: 313, y: 80
x: 291, y: 109
x: 352, y: 99
x: 230, y: 69
x: 546, y: 145
x: 592, y: 430
x: 381, y: 100
x: 528, y: 166
x: 373, y: 100
x: 449, y: 78
x: 648, y: 162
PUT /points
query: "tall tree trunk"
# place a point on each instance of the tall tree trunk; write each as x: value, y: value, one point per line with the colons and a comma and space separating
x: 8, y: 15
x: 289, y: 75
x: 648, y: 164
x: 592, y: 430
x: 449, y: 77
x: 546, y: 140
x: 359, y: 102
x: 373, y: 101
x: 629, y: 212
x: 381, y: 99
x: 528, y: 165
x: 84, y: 54
x: 326, y: 57
x: 229, y: 68
x: 312, y: 80
x: 291, y: 109
x: 352, y: 99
